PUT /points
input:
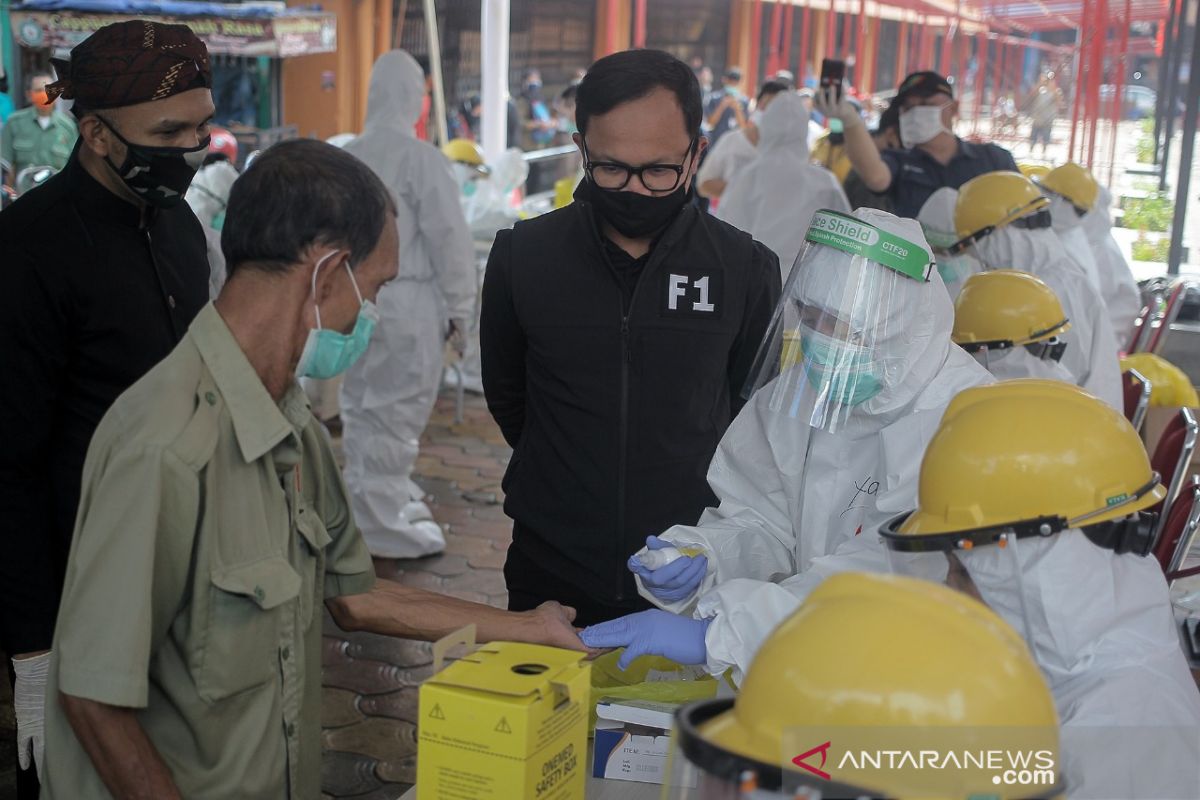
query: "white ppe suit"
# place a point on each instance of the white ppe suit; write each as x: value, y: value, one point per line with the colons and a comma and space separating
x: 1117, y: 284
x: 798, y: 503
x: 732, y: 153
x: 388, y: 394
x: 774, y: 197
x: 1069, y: 227
x: 208, y: 195
x: 1091, y: 354
x: 937, y: 220
x: 1100, y: 627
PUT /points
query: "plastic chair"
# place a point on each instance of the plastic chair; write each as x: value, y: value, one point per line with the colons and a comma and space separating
x: 1137, y: 397
x: 1179, y: 532
x: 1154, y: 323
x: 1170, y: 460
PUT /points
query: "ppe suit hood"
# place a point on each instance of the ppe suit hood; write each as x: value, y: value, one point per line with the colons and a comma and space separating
x: 1062, y: 214
x: 774, y: 197
x: 938, y: 212
x: 785, y: 125
x: 396, y: 92
x: 1117, y: 284
x: 937, y: 220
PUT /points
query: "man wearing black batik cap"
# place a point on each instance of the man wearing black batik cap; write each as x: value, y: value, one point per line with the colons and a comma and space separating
x: 105, y: 268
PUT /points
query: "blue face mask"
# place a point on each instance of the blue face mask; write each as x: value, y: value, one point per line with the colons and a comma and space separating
x: 846, y: 371
x: 328, y: 353
x: 953, y: 269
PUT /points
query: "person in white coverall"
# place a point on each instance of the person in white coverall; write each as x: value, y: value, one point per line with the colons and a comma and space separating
x: 1117, y: 283
x: 773, y: 198
x: 1011, y: 322
x: 735, y: 150
x: 207, y: 195
x: 1003, y: 218
x: 815, y: 461
x: 1052, y: 536
x: 1066, y: 214
x: 937, y: 221
x: 388, y: 394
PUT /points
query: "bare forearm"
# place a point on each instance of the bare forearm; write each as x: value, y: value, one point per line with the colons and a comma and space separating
x: 864, y: 155
x: 124, y: 757
x: 392, y: 609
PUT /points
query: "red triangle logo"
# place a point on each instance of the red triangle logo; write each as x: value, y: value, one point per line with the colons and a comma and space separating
x: 823, y: 749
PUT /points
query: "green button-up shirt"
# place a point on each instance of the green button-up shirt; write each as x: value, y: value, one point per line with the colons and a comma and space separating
x: 212, y: 526
x: 24, y: 143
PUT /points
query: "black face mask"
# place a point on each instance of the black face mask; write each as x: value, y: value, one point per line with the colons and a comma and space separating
x: 636, y: 215
x: 158, y: 175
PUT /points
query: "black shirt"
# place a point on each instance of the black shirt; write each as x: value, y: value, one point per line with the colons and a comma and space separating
x: 612, y: 392
x: 96, y: 293
x: 916, y: 174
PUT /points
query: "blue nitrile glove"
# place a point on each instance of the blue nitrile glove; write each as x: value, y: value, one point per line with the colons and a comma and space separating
x: 677, y: 580
x: 654, y: 632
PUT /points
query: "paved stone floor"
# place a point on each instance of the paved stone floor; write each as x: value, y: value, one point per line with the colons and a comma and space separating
x: 369, y: 709
x: 369, y: 713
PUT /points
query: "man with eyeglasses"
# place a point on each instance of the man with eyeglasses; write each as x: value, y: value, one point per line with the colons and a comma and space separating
x: 617, y: 334
x: 932, y: 156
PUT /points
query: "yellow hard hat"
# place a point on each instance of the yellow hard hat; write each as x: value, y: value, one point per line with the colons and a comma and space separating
x: 1033, y: 171
x: 993, y: 200
x: 1006, y: 308
x: 1170, y: 386
x: 1074, y: 183
x: 953, y: 674
x: 465, y: 151
x: 1029, y: 454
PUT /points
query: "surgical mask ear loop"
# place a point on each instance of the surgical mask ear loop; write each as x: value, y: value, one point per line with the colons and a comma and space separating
x: 313, y: 286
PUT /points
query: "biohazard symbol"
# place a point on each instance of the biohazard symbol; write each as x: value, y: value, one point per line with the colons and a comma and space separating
x: 502, y: 726
x: 823, y: 749
x: 436, y: 713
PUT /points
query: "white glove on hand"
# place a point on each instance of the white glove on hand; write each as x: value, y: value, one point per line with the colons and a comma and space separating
x: 29, y: 706
x: 834, y: 104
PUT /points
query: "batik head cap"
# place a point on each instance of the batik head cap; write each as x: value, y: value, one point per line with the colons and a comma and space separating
x: 132, y: 62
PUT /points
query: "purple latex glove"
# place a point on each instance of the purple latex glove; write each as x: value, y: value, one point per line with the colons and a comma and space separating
x: 655, y: 633
x: 674, y: 582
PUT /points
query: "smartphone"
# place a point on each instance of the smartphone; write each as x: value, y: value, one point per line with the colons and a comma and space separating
x: 833, y: 72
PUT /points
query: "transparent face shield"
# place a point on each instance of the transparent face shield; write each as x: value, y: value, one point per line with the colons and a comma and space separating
x: 838, y: 335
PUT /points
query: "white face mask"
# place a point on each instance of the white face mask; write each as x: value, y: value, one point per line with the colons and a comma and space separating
x: 920, y: 124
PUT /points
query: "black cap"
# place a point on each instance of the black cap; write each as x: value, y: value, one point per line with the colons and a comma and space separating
x: 890, y: 117
x: 923, y: 84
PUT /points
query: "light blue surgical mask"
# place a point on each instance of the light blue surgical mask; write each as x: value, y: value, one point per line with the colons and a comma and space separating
x: 328, y: 353
x: 953, y: 269
x: 847, y: 372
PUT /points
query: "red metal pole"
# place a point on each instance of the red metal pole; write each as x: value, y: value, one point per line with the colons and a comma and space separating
x: 922, y: 44
x: 902, y: 51
x: 755, y: 46
x: 944, y: 58
x: 802, y: 71
x: 785, y: 57
x: 981, y: 46
x: 831, y: 32
x: 997, y: 80
x: 639, y: 23
x: 614, y: 20
x: 860, y: 62
x: 773, y: 38
x: 1099, y: 41
x: 845, y: 43
x: 1118, y: 104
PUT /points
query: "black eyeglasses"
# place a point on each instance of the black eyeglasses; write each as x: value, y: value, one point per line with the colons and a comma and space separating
x: 613, y: 176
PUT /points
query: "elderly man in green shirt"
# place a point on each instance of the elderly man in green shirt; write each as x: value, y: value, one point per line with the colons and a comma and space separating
x: 214, y: 523
x: 38, y: 136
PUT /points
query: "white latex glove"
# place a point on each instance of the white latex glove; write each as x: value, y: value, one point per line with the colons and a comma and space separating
x: 834, y: 104
x: 456, y: 336
x: 29, y: 702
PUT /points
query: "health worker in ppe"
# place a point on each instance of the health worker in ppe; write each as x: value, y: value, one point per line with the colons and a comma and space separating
x: 1072, y: 192
x: 873, y: 663
x: 388, y: 394
x: 1011, y: 322
x: 1005, y: 221
x: 821, y: 454
x: 208, y: 195
x: 1117, y: 283
x: 486, y: 194
x: 937, y: 221
x: 735, y: 151
x: 773, y: 199
x: 1033, y: 497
